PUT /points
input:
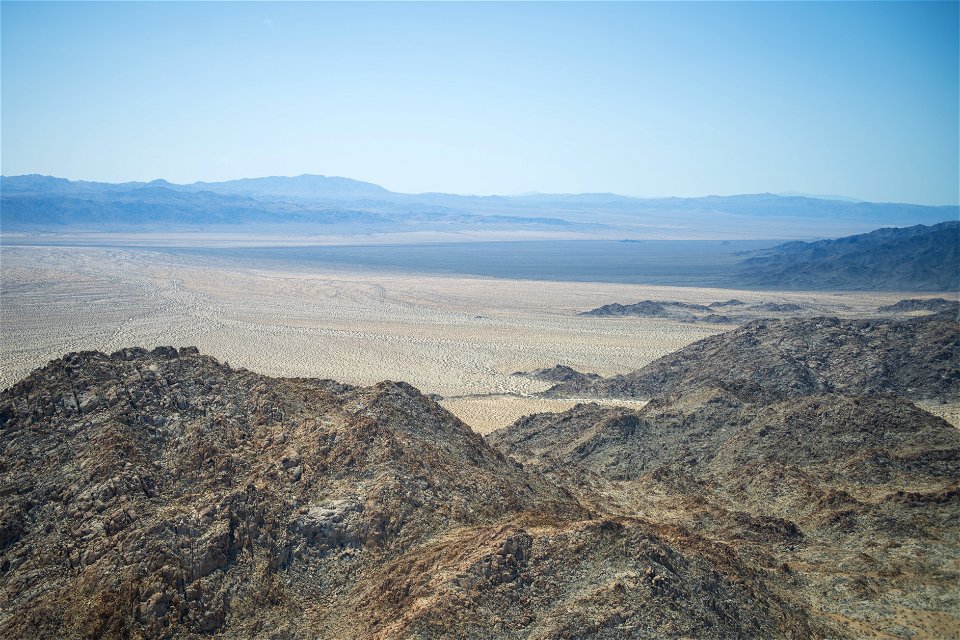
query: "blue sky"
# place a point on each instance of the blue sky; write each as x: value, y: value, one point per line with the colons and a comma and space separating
x: 687, y: 99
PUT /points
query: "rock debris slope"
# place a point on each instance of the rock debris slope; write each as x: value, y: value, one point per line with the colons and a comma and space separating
x: 164, y: 494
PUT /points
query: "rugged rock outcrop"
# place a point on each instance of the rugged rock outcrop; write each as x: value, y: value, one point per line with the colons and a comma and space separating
x: 777, y: 307
x: 856, y: 499
x: 775, y: 487
x: 164, y: 494
x: 732, y: 302
x: 915, y: 358
x: 834, y: 437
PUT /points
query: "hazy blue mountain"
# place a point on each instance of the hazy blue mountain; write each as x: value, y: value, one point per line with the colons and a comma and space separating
x: 612, y: 208
x: 38, y: 202
x: 46, y: 185
x: 52, y: 204
x: 153, y: 208
x: 820, y: 196
x: 305, y: 186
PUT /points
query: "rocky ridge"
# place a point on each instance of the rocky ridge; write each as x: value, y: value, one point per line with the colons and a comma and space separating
x: 796, y: 443
x: 855, y: 499
x: 165, y: 494
x: 915, y: 358
x: 560, y: 373
x: 728, y: 312
x: 775, y: 486
x: 934, y: 305
x: 917, y: 258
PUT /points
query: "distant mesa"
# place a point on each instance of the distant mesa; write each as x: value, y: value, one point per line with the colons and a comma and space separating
x: 777, y: 307
x: 559, y: 373
x: 685, y: 312
x: 650, y: 309
x: 303, y: 186
x: 733, y: 302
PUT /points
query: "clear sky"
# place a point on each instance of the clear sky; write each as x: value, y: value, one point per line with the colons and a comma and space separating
x: 857, y: 99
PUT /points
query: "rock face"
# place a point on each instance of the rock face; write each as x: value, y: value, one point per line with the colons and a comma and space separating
x: 915, y: 358
x: 777, y: 307
x: 918, y: 258
x: 164, y: 494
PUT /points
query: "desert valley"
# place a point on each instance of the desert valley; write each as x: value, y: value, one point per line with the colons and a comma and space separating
x: 480, y: 320
x: 199, y: 442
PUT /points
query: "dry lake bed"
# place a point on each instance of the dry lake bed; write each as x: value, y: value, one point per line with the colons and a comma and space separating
x: 458, y: 336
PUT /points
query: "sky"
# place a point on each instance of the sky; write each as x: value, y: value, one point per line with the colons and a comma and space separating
x: 639, y: 98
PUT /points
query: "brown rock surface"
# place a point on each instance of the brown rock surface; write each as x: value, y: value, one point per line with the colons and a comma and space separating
x: 164, y: 494
x: 855, y: 498
x: 915, y: 358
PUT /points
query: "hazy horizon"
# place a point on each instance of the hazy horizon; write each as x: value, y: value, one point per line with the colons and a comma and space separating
x: 642, y: 99
x: 789, y: 193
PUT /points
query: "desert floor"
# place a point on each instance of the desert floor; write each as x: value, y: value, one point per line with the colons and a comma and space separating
x: 458, y: 337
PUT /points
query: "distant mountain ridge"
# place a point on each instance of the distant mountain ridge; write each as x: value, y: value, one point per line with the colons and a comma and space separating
x: 304, y: 186
x: 32, y: 202
x: 918, y: 258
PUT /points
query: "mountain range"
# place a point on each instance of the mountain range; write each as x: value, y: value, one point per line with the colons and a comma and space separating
x: 335, y: 205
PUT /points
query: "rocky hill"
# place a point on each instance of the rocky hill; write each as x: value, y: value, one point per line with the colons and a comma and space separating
x: 560, y: 373
x: 787, y: 440
x: 855, y: 499
x: 834, y: 438
x: 914, y: 358
x: 651, y: 309
x: 917, y: 258
x: 766, y: 491
x: 933, y: 305
x: 164, y: 494
x: 729, y: 312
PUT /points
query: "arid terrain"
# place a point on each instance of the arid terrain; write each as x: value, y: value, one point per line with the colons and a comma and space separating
x: 480, y: 321
x: 167, y: 494
x: 457, y: 337
x: 313, y: 446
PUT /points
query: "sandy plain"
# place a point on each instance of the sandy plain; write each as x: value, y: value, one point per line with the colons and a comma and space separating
x: 458, y: 337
